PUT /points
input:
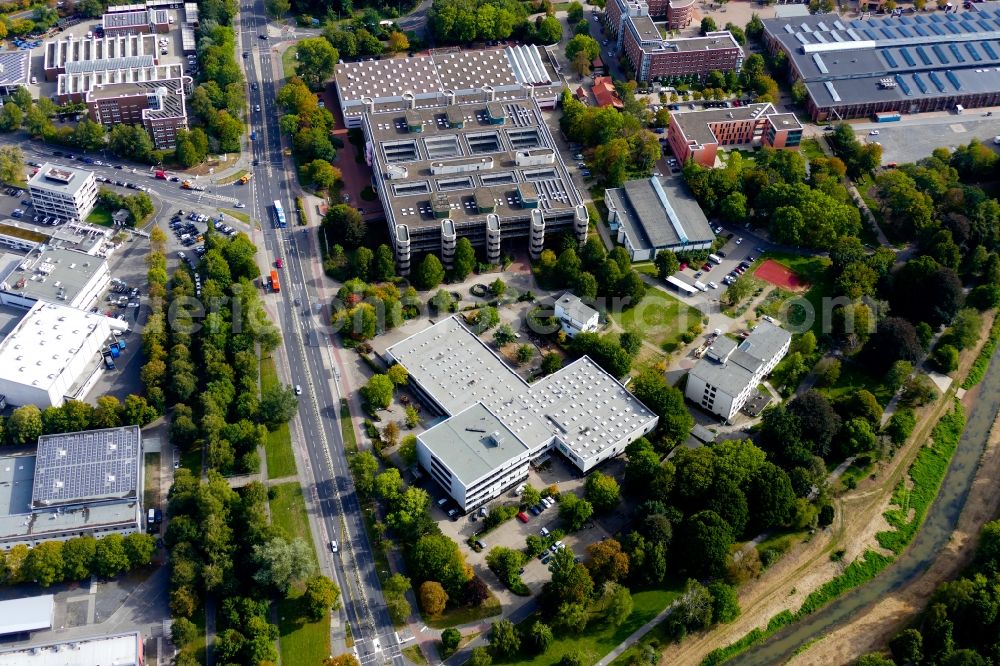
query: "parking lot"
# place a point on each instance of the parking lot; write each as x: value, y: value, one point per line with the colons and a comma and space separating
x: 915, y: 137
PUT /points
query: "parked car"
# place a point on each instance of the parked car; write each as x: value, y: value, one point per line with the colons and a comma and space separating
x: 522, y: 516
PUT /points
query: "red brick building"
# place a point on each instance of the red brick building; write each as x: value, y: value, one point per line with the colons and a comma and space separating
x: 156, y: 105
x: 654, y: 57
x: 698, y: 135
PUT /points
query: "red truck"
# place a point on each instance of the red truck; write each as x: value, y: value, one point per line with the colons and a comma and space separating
x: 162, y: 175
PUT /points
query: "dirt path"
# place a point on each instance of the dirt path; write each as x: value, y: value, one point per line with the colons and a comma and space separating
x: 807, y: 566
x: 878, y: 624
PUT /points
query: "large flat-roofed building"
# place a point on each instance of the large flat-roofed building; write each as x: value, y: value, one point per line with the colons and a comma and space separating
x: 63, y: 191
x: 698, y: 135
x: 101, y: 53
x: 676, y: 14
x: 23, y: 615
x: 652, y: 215
x: 141, y: 22
x: 450, y: 77
x: 54, y: 353
x: 15, y: 70
x: 488, y: 172
x: 495, y: 423
x: 53, y: 275
x: 77, y: 483
x: 654, y: 56
x: 908, y: 64
x: 156, y: 105
x: 723, y: 379
x: 116, y: 650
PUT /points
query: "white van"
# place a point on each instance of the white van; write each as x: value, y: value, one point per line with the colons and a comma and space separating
x: 959, y: 109
x: 699, y: 285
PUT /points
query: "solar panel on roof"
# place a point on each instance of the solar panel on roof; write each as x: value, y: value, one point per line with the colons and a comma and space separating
x: 937, y: 30
x: 904, y: 86
x: 853, y: 35
x: 923, y: 55
x: 904, y: 31
x: 805, y: 27
x: 870, y: 34
x: 907, y: 57
x: 989, y: 50
x: 820, y: 38
x: 984, y: 25
x: 838, y: 25
x: 955, y: 52
x: 820, y: 65
x: 888, y: 33
x: 822, y: 26
x: 920, y: 83
x: 837, y: 37
x: 954, y: 79
x: 857, y: 24
x: 967, y: 26
x: 890, y: 59
x: 953, y: 29
x: 921, y: 30
x: 937, y: 81
x: 789, y: 29
x: 833, y: 91
x: 920, y: 18
x: 971, y: 48
x: 939, y: 52
x: 906, y: 20
x: 802, y: 38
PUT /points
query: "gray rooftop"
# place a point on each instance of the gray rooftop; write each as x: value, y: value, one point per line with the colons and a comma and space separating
x: 696, y: 125
x: 893, y: 58
x: 26, y: 614
x: 116, y: 650
x: 126, y: 19
x: 457, y: 71
x: 731, y: 366
x: 473, y: 443
x: 53, y: 275
x: 581, y: 404
x: 575, y: 308
x: 659, y: 213
x: 60, y: 178
x: 86, y: 467
x: 645, y: 28
x: 479, y: 161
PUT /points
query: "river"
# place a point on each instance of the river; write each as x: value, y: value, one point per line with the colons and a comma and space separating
x: 932, y: 537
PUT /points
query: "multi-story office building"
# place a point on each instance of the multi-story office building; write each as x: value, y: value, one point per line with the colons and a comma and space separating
x: 908, y: 63
x: 496, y: 423
x: 723, y: 379
x: 487, y: 171
x: 698, y: 135
x: 140, y: 22
x: 676, y: 14
x: 575, y: 316
x: 655, y: 56
x: 63, y: 191
x: 156, y: 105
x: 98, y: 54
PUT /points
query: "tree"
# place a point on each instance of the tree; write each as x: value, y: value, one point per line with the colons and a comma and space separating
x: 706, y: 538
x: 602, y: 491
x: 398, y: 42
x: 450, y: 638
x: 280, y: 563
x: 278, y: 405
x: 770, y: 496
x: 498, y: 287
x: 708, y: 25
x: 110, y: 558
x: 465, y: 259
x: 139, y: 548
x: 618, y: 604
x: 895, y: 340
x: 907, y: 647
x: 583, y: 44
x: 667, y: 402
x: 398, y: 374
x: 574, y: 12
x: 88, y: 135
x: 78, y: 557
x: 486, y: 318
x: 316, y: 59
x: 378, y: 391
x: 479, y: 657
x: 607, y: 561
x: 364, y: 466
x: 828, y: 371
x: 430, y: 273
x: 345, y: 226
x: 504, y: 335
x: 25, y: 423
x: 874, y: 658
x: 11, y: 117
x: 44, y: 563
x: 107, y: 414
x: 390, y: 434
x: 322, y: 174
x: 539, y: 636
x: 320, y: 596
x: 574, y: 511
x: 436, y: 557
x: 945, y: 358
x: 277, y: 8
x: 525, y: 353
x: 504, y: 639
x: 433, y: 598
x: 725, y: 603
x: 551, y: 362
x: 666, y: 264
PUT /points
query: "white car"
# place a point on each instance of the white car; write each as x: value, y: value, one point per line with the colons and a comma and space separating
x: 873, y: 133
x: 334, y: 547
x: 241, y: 205
x: 739, y: 240
x: 713, y: 285
x: 996, y: 140
x: 298, y: 390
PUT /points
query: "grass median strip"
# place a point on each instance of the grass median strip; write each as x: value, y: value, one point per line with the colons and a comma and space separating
x: 280, y: 459
x: 978, y: 369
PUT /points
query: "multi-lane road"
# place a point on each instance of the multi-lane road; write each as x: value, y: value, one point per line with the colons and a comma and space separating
x: 311, y: 362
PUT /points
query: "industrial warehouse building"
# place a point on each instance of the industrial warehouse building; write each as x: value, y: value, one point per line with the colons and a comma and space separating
x: 75, y: 484
x: 449, y: 76
x: 909, y: 63
x: 653, y: 214
x: 114, y: 650
x: 654, y: 56
x: 63, y: 276
x: 723, y: 379
x: 486, y: 171
x: 495, y: 423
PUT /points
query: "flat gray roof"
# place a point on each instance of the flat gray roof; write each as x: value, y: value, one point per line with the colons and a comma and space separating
x: 660, y: 213
x: 458, y: 166
x: 575, y: 307
x: 53, y: 275
x: 581, y: 405
x: 731, y: 366
x: 26, y: 614
x: 116, y: 650
x: 473, y: 443
x: 60, y: 178
x: 646, y: 28
x: 89, y: 466
x: 696, y: 125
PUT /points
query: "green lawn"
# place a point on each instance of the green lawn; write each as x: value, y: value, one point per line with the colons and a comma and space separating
x: 288, y: 513
x: 301, y: 641
x: 347, y: 428
x: 854, y: 378
x: 100, y: 216
x: 288, y: 61
x: 814, y: 271
x: 600, y: 638
x: 280, y: 459
x: 242, y: 217
x: 466, y: 614
x: 659, y: 318
x: 810, y: 149
x: 191, y: 459
x: 232, y: 178
x: 152, y: 480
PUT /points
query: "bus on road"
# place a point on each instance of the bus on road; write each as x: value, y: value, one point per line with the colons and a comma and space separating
x: 279, y: 216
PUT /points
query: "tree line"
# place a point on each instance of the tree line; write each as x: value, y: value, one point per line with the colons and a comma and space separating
x: 76, y: 559
x: 27, y: 423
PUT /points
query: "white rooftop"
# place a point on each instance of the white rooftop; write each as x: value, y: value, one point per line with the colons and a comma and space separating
x: 40, y: 347
x: 60, y: 178
x: 582, y: 405
x: 18, y: 616
x: 118, y: 650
